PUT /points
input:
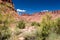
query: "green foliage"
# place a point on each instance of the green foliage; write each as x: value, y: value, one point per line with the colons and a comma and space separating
x: 35, y: 24
x: 58, y: 26
x: 46, y: 24
x: 53, y: 36
x: 5, y: 31
x: 48, y: 27
x: 21, y: 24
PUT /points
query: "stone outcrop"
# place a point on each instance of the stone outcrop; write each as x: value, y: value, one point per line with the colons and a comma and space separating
x: 6, y: 6
x: 36, y: 17
x: 24, y: 14
x: 9, y: 1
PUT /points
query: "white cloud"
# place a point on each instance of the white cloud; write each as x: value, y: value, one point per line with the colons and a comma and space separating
x: 44, y: 11
x: 19, y: 10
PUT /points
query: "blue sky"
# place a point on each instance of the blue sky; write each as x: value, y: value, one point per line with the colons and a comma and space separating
x: 31, y: 6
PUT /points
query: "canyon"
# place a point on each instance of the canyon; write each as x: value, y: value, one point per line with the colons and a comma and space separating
x: 8, y: 7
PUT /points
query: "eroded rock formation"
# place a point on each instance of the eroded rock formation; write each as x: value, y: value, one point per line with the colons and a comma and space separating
x: 10, y: 1
x: 6, y: 6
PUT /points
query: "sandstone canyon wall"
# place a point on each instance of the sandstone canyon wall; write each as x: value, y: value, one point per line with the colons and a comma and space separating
x: 7, y: 6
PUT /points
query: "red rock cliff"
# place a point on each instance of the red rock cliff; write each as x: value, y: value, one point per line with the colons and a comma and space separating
x: 10, y: 1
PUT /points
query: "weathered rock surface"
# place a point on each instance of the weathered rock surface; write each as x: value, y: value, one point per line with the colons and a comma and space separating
x: 7, y: 7
x: 36, y: 17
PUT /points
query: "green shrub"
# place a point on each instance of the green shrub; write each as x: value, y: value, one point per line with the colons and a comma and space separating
x: 35, y: 24
x: 57, y: 26
x: 47, y: 26
x: 5, y: 31
x: 21, y: 24
x: 50, y: 29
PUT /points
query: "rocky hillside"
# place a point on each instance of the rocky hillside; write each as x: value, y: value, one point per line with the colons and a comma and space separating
x: 7, y: 7
x: 36, y: 17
